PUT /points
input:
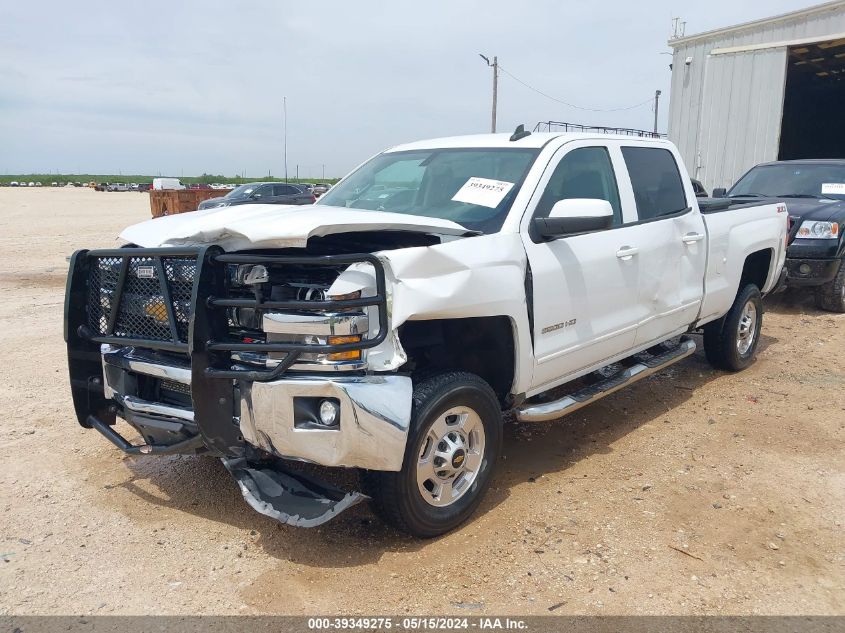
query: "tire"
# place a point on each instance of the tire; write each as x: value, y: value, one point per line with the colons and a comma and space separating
x: 463, y: 408
x: 831, y: 296
x: 730, y: 342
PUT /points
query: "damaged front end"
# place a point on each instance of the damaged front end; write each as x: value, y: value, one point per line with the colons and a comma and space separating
x: 244, y: 356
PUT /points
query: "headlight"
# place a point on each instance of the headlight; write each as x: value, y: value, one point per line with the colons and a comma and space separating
x: 811, y: 229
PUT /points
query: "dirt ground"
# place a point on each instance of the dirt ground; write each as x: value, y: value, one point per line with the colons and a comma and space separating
x: 693, y: 492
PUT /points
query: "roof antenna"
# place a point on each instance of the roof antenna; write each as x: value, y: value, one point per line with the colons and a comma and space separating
x: 519, y: 133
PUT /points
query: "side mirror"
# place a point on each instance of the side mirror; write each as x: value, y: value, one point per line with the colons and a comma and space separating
x: 719, y: 192
x: 575, y: 215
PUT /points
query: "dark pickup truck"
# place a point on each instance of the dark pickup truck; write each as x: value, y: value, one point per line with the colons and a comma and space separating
x: 815, y: 193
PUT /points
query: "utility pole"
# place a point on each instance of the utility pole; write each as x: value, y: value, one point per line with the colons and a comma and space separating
x: 495, y: 66
x: 285, y: 108
x: 324, y: 171
x: 297, y: 172
x: 657, y: 94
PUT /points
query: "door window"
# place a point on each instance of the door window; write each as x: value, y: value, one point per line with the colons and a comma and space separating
x: 284, y: 190
x: 264, y: 191
x: 658, y: 189
x: 585, y: 172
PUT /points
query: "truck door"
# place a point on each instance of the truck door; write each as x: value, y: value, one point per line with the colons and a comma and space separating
x: 673, y: 246
x: 584, y: 287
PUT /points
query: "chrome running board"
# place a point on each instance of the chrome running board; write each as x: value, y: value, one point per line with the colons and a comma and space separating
x: 555, y: 409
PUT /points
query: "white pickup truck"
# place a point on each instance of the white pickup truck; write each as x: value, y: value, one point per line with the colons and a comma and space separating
x: 388, y: 327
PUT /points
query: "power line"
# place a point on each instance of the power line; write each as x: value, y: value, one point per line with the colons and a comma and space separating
x: 571, y: 105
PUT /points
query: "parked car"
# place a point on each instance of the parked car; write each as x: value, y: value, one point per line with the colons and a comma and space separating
x: 320, y: 188
x: 144, y: 186
x: 261, y: 193
x: 534, y: 274
x: 118, y: 186
x: 815, y: 192
x: 102, y: 186
x: 200, y: 186
x: 14, y: 183
x: 167, y: 183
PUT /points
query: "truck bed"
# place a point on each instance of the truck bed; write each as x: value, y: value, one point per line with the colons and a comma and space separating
x: 731, y: 237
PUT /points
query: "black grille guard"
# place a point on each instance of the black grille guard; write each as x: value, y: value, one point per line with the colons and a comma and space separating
x: 201, y: 332
x: 295, y: 349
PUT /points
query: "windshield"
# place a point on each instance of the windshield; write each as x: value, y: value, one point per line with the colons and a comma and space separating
x: 243, y: 191
x: 473, y: 187
x: 818, y: 180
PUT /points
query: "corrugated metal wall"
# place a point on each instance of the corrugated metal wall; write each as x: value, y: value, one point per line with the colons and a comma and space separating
x: 725, y: 109
x: 742, y: 107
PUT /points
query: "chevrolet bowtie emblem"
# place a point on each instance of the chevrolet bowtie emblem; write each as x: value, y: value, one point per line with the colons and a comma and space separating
x: 157, y: 310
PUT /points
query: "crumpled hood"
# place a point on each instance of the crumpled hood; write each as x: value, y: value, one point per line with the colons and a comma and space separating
x: 274, y: 226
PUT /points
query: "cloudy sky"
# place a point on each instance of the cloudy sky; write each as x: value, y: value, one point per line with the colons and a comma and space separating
x: 191, y: 87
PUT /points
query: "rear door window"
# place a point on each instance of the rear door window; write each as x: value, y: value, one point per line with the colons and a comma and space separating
x: 658, y: 188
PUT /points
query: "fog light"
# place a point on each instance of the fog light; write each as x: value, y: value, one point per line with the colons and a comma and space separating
x: 804, y: 269
x: 329, y: 412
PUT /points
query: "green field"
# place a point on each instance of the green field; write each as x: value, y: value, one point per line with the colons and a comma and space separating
x: 206, y: 179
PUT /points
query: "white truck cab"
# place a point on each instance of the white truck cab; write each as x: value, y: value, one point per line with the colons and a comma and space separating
x: 388, y: 327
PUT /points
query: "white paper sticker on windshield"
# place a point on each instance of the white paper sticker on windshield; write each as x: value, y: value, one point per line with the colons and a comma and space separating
x: 836, y: 188
x: 483, y: 191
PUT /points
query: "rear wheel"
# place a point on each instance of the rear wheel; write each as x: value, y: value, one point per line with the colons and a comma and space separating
x: 730, y: 342
x: 453, y: 443
x: 831, y: 296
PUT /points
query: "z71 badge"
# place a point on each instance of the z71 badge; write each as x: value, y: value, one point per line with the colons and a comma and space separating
x: 559, y: 326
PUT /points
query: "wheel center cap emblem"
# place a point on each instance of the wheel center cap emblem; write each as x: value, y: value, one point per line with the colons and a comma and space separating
x: 458, y: 458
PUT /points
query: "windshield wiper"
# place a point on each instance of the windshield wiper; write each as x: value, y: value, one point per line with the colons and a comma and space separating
x: 747, y: 195
x: 797, y: 195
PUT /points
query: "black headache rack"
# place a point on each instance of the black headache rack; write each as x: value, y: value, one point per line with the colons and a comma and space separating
x: 174, y: 301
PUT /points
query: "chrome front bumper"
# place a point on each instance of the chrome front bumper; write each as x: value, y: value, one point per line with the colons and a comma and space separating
x: 375, y: 411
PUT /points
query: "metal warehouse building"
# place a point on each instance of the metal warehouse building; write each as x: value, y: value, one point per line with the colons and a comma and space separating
x: 761, y: 91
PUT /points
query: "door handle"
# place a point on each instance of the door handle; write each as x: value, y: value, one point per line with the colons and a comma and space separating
x: 627, y: 252
x: 692, y: 238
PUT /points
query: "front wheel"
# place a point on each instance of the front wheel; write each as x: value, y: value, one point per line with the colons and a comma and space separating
x: 730, y: 342
x: 453, y: 443
x: 831, y: 296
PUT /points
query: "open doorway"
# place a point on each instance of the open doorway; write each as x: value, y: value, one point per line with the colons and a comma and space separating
x: 813, y: 123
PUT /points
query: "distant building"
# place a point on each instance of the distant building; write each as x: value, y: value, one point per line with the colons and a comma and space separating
x: 765, y: 90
